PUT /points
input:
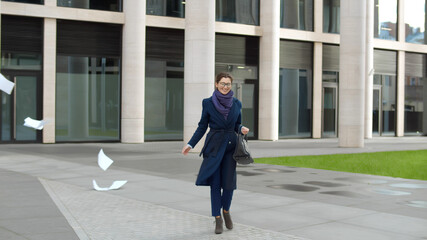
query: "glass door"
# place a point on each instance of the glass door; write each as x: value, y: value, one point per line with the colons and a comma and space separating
x: 245, y: 91
x: 23, y: 102
x: 376, y: 110
x: 329, y: 110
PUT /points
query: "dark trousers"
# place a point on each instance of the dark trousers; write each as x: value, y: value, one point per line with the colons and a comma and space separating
x: 221, y: 199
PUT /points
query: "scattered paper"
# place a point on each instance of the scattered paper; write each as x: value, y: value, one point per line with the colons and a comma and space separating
x: 103, y: 161
x: 116, y: 185
x: 29, y: 122
x: 6, y: 85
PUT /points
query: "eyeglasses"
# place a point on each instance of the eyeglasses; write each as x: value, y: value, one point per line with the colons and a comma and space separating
x: 225, y: 84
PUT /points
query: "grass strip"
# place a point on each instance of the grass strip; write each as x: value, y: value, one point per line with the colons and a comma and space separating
x: 402, y: 164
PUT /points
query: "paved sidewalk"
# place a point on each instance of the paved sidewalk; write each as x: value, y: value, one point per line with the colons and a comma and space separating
x: 47, y: 194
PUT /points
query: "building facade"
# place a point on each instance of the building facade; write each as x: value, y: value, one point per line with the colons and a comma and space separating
x: 137, y: 70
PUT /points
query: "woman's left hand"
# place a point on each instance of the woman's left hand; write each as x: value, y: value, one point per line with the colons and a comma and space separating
x: 244, y: 130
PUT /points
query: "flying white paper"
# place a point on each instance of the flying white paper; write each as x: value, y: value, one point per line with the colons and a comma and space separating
x: 6, y: 85
x: 116, y: 185
x: 29, y: 122
x: 103, y: 161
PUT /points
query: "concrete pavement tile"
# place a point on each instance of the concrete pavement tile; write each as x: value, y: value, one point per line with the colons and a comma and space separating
x: 409, y: 226
x: 36, y: 225
x: 260, y: 200
x: 21, y: 212
x: 6, y: 234
x: 275, y: 220
x: 53, y: 236
x: 322, y: 210
x: 340, y: 231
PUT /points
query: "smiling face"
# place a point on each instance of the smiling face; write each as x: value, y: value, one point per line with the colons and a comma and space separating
x: 224, y: 85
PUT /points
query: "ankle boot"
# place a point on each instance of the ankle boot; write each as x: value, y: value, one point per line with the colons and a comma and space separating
x: 227, y: 219
x: 218, y: 225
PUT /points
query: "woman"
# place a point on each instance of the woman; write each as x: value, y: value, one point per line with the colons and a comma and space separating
x: 222, y: 113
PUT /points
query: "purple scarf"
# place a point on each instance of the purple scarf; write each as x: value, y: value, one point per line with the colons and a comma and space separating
x: 222, y: 102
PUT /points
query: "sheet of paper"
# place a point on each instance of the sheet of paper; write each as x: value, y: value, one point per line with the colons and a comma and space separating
x: 29, y: 122
x: 116, y: 185
x: 103, y: 161
x: 6, y: 85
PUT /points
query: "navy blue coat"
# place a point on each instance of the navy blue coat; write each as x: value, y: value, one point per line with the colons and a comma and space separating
x: 222, y: 132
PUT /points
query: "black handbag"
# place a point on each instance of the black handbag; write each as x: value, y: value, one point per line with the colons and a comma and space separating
x: 241, y: 153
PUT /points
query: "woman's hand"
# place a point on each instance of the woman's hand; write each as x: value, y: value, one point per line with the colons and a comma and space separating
x: 185, y: 149
x: 244, y: 130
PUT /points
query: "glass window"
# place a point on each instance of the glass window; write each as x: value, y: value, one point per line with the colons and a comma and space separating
x: 385, y: 19
x: 331, y: 16
x: 26, y: 1
x: 295, y: 103
x: 415, y: 21
x: 296, y: 14
x: 21, y: 61
x: 415, y: 94
x: 238, y: 11
x: 170, y: 8
x: 164, y: 85
x: 295, y: 89
x: 107, y: 5
x: 87, y: 99
x: 238, y: 55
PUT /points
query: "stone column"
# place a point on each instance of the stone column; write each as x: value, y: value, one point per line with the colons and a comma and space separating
x: 352, y: 73
x: 199, y: 63
x: 400, y: 96
x: 369, y: 69
x: 317, y: 89
x: 133, y: 72
x: 49, y: 79
x: 269, y: 70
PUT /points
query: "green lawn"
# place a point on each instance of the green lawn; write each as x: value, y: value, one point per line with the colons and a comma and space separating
x: 403, y: 164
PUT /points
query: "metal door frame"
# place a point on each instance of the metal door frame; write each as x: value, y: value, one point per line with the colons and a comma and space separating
x: 330, y: 85
x: 39, y: 98
x: 380, y: 110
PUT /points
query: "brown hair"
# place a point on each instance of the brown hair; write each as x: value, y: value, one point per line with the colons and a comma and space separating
x: 223, y: 75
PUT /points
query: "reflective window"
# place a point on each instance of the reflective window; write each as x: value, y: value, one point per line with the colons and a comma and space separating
x: 87, y: 99
x: 26, y: 1
x: 164, y: 85
x: 107, y: 5
x: 385, y: 19
x: 238, y: 55
x: 331, y: 16
x: 384, y: 93
x: 296, y: 14
x: 295, y: 89
x: 415, y: 21
x: 170, y: 8
x: 238, y: 11
x: 415, y: 94
x: 88, y: 81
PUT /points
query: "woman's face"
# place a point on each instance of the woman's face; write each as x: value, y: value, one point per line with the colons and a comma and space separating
x: 224, y: 85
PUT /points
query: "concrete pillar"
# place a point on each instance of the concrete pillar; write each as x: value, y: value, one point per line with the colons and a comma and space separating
x: 199, y: 63
x: 400, y: 98
x: 269, y: 70
x: 318, y: 16
x: 49, y: 79
x: 369, y: 69
x: 133, y: 72
x: 352, y: 73
x: 317, y: 90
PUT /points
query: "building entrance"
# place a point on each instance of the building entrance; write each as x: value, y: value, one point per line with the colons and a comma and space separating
x: 329, y: 110
x: 24, y: 101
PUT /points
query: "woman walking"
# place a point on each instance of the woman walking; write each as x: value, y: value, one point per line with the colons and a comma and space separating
x: 222, y: 113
